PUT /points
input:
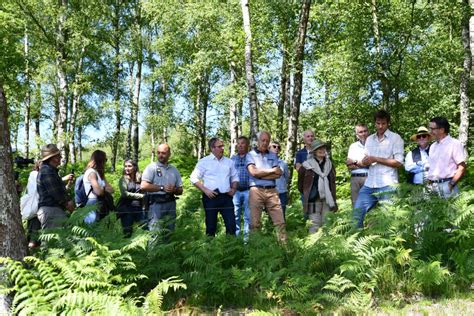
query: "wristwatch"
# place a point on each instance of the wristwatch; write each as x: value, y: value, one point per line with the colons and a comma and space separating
x: 162, y: 188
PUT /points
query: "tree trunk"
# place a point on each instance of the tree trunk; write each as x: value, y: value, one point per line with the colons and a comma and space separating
x: 298, y: 82
x: 36, y: 116
x: 381, y: 72
x: 62, y: 81
x: 76, y: 99
x: 79, y: 142
x: 251, y: 83
x: 12, y: 236
x: 201, y: 105
x: 284, y: 89
x: 465, y: 76
x: 128, y: 146
x: 116, y: 76
x: 233, y: 111
x: 27, y: 97
x: 135, y: 109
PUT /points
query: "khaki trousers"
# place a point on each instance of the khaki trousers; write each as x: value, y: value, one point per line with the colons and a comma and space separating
x: 356, y: 184
x: 259, y: 199
x: 317, y: 212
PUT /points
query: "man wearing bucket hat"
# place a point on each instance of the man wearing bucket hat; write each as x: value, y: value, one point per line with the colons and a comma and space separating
x: 384, y: 155
x: 447, y: 159
x: 53, y: 198
x: 416, y: 161
x: 317, y: 183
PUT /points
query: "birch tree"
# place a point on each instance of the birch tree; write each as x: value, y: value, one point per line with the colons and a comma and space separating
x: 251, y: 83
x: 465, y: 100
x: 298, y: 80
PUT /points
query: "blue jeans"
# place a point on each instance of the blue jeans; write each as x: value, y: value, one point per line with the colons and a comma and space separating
x: 221, y: 203
x: 283, y: 201
x: 241, y: 201
x: 367, y: 199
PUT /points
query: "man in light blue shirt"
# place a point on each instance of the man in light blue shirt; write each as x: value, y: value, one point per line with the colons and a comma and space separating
x: 282, y: 181
x: 241, y: 196
x: 264, y: 169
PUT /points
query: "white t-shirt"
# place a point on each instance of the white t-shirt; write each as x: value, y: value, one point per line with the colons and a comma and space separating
x: 87, y: 183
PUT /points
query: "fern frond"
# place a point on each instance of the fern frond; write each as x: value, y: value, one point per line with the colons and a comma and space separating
x: 339, y: 284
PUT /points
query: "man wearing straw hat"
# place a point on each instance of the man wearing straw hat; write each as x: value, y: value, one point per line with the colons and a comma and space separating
x: 416, y: 161
x: 53, y: 198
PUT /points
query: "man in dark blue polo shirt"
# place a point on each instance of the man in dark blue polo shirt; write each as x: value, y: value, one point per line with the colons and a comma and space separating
x: 302, y: 154
x: 264, y: 169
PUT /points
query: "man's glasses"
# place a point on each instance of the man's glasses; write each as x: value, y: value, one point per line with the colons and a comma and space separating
x: 421, y: 136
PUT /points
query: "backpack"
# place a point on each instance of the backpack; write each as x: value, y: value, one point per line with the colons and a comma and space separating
x: 80, y: 196
x: 29, y: 201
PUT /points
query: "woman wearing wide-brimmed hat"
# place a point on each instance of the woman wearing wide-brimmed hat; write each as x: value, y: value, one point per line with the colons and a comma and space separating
x: 317, y: 182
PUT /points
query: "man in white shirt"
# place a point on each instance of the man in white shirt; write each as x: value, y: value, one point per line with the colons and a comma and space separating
x: 217, y: 178
x: 384, y: 155
x: 355, y: 156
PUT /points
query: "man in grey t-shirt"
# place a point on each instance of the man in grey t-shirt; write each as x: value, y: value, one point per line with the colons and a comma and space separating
x: 163, y: 182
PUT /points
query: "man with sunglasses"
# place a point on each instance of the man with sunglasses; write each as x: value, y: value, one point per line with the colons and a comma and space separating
x: 447, y: 159
x: 282, y: 181
x: 416, y: 161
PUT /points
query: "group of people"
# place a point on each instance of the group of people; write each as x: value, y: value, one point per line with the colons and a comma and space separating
x: 374, y: 162
x: 254, y: 180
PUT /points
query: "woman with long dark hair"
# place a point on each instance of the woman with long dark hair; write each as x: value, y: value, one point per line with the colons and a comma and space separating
x: 95, y: 185
x: 130, y: 206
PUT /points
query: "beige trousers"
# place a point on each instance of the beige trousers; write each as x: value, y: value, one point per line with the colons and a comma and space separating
x: 259, y: 199
x: 317, y: 212
x: 356, y: 184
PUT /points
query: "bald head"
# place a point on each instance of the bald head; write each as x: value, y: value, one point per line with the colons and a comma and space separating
x: 308, y: 137
x: 163, y: 152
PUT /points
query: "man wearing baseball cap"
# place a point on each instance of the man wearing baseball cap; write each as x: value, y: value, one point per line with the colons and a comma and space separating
x: 53, y: 198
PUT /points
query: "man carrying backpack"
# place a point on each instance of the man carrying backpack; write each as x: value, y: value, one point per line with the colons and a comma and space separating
x: 416, y: 161
x: 53, y: 197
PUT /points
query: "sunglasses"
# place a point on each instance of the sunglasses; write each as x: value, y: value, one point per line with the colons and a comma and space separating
x: 276, y: 147
x: 421, y: 136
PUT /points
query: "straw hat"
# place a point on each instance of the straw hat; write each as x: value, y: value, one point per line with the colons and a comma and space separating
x: 421, y: 131
x: 48, y: 151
